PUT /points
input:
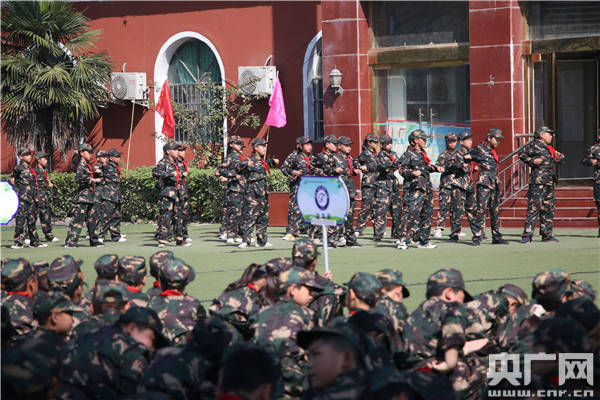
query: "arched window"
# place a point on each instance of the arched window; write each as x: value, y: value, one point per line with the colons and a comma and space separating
x: 313, y: 90
x: 193, y: 62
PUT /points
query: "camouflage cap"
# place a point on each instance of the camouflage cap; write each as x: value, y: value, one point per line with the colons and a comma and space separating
x: 85, y: 147
x: 278, y: 264
x: 181, y: 146
x: 177, y: 273
x: 581, y: 310
x: 41, y: 267
x: 392, y: 277
x: 24, y: 152
x: 132, y: 270
x: 110, y: 292
x: 15, y: 272
x: 515, y: 292
x: 157, y: 260
x: 64, y: 275
x: 581, y: 288
x: 538, y: 132
x: 330, y: 139
x: 385, y: 139
x: 336, y: 328
x: 148, y: 317
x: 417, y: 134
x: 101, y: 153
x: 451, y: 137
x: 41, y: 154
x: 170, y: 146
x: 114, y: 153
x: 552, y: 283
x: 304, y: 249
x: 235, y: 139
x: 371, y: 137
x: 344, y: 140
x: 303, y: 140
x: 560, y: 335
x: 366, y: 286
x: 464, y: 135
x: 107, y: 266
x: 448, y: 277
x: 259, y: 142
x: 47, y: 303
x: 496, y: 133
x: 298, y: 276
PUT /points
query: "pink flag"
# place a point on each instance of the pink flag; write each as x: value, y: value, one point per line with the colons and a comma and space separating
x: 165, y: 108
x: 276, y: 116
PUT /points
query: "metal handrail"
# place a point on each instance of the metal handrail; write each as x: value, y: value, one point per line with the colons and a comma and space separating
x: 514, y: 176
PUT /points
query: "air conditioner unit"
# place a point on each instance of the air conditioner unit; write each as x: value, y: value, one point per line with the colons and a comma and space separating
x: 257, y: 80
x: 128, y: 86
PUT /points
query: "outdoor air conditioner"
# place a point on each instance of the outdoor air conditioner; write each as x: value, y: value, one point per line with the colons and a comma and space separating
x: 128, y: 86
x: 262, y: 79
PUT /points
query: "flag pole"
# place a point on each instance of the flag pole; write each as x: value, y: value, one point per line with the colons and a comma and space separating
x: 130, y: 131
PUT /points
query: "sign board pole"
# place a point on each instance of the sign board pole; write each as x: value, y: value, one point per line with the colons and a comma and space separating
x: 325, y: 256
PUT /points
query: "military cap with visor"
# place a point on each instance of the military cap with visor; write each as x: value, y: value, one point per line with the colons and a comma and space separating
x: 300, y: 277
x: 451, y: 137
x: 47, y: 303
x: 148, y: 317
x: 464, y: 135
x: 15, y: 272
x: 392, y: 277
x: 176, y: 273
x: 259, y: 142
x: 371, y: 137
x: 303, y: 140
x: 85, y: 147
x: 132, y: 269
x: 344, y: 140
x: 24, y: 152
x: 445, y: 278
x: 330, y: 139
x: 41, y: 154
x: 495, y: 133
x: 114, y: 153
x: 107, y: 266
x: 366, y: 286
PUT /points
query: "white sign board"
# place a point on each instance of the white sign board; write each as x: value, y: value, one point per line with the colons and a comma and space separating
x: 10, y: 202
x: 323, y: 200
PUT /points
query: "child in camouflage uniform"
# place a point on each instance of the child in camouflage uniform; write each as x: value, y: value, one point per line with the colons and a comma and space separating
x: 393, y: 291
x: 592, y: 159
x: 132, y: 272
x: 42, y: 201
x: 368, y: 159
x: 20, y: 283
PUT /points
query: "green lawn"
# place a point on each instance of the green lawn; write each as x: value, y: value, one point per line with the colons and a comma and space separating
x: 216, y: 263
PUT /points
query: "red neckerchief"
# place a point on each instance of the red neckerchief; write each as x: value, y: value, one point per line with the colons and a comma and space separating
x: 472, y: 168
x: 45, y: 176
x: 133, y: 289
x: 21, y: 293
x: 251, y: 286
x: 265, y: 165
x: 119, y: 169
x: 427, y: 160
x: 176, y: 169
x: 186, y: 170
x: 495, y: 156
x: 553, y: 152
x: 91, y: 176
x: 156, y: 284
x: 391, y: 157
x: 425, y: 369
x: 307, y: 159
x: 34, y: 175
x: 241, y: 156
x: 352, y: 312
x: 171, y: 292
x: 349, y: 165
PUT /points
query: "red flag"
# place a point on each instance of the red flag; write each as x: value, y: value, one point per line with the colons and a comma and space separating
x: 165, y: 108
x: 276, y: 116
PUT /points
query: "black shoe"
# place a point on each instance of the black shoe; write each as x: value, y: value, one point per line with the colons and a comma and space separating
x: 550, y: 239
x: 354, y: 245
x: 453, y: 239
x: 499, y: 241
x: 525, y: 239
x: 377, y: 239
x: 475, y: 242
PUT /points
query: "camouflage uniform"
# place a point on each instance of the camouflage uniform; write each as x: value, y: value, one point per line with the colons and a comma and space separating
x: 325, y: 164
x: 256, y: 204
x: 41, y: 269
x: 593, y: 153
x: 388, y: 192
x: 276, y: 328
x: 112, y: 198
x: 487, y: 313
x: 488, y: 183
x: 368, y: 190
x: 156, y: 261
x: 418, y: 195
x: 43, y: 198
x: 26, y: 186
x: 541, y: 186
x: 184, y: 195
x: 189, y: 371
x: 445, y: 191
x: 18, y: 303
x: 298, y: 161
x: 168, y: 175
x: 366, y: 287
x: 100, y: 192
x: 436, y: 326
x: 108, y: 363
x: 83, y: 207
x: 394, y: 310
x: 132, y: 272
x: 178, y: 311
x: 235, y: 169
x: 64, y: 276
x: 463, y: 193
x: 110, y: 299
x: 106, y: 267
x: 581, y: 288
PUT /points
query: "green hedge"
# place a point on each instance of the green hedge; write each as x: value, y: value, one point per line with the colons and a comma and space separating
x: 140, y: 196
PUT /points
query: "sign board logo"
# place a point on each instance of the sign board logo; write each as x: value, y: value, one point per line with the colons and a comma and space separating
x: 10, y: 202
x: 323, y: 200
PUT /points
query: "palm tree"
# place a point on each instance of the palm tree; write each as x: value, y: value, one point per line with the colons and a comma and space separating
x: 50, y: 80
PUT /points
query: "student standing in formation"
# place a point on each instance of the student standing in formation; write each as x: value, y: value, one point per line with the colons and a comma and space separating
x: 85, y: 198
x: 43, y: 198
x: 256, y: 204
x: 100, y: 191
x: 540, y: 156
x: 24, y: 180
x: 183, y: 192
x: 592, y: 159
x: 388, y: 197
x: 415, y: 167
x: 113, y: 198
x: 368, y: 159
x: 488, y: 184
x: 299, y: 163
x: 325, y: 165
x: 445, y: 192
